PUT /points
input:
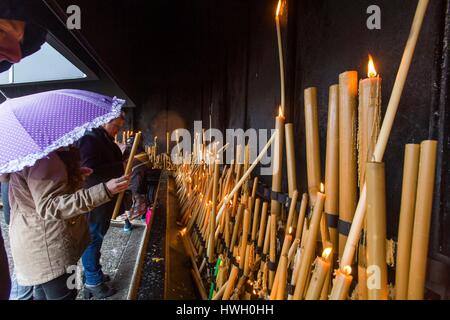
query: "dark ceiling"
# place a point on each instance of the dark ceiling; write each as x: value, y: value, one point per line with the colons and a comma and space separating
x: 134, y: 40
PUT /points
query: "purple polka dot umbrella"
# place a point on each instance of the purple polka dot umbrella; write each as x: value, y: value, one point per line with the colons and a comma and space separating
x: 33, y: 126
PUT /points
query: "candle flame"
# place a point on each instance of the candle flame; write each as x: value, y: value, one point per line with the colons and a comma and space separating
x: 322, y: 188
x: 278, y: 9
x: 290, y: 230
x: 280, y: 112
x: 347, y: 270
x: 326, y: 253
x: 372, y: 72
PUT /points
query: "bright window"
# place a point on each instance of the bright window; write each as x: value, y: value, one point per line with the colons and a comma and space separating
x: 45, y: 65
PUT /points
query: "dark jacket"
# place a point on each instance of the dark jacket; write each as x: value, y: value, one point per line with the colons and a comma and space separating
x: 99, y: 152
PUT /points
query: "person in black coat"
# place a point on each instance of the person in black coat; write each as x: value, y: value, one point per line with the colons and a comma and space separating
x: 100, y: 153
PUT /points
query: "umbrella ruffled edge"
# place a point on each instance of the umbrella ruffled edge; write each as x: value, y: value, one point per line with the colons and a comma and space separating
x: 66, y: 140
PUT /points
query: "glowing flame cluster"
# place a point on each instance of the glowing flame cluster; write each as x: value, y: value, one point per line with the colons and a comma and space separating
x: 326, y: 252
x: 347, y: 270
x: 280, y: 112
x: 277, y: 13
x: 371, y: 71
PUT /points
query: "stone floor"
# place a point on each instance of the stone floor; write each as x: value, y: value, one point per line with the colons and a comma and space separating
x: 117, y: 250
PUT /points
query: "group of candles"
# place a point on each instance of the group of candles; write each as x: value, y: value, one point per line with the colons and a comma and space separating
x: 160, y: 160
x: 245, y: 246
x: 126, y: 134
x: 234, y: 240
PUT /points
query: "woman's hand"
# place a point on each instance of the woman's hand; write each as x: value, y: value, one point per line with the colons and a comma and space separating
x: 118, y: 185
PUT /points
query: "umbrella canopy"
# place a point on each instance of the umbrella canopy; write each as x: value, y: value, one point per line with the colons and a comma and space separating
x: 33, y: 126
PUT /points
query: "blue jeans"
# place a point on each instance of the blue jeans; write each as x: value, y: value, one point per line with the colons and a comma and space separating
x: 5, y: 281
x: 19, y: 292
x: 91, y: 257
x: 5, y: 200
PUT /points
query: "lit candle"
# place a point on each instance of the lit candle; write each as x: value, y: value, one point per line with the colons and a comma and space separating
x: 368, y: 129
x: 321, y: 270
x: 341, y: 284
x: 280, y: 54
x: 124, y: 137
x: 369, y: 117
x: 310, y: 246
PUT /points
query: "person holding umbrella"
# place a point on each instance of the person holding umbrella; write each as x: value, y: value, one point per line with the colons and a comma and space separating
x: 48, y: 230
x: 18, y: 39
x: 100, y: 153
